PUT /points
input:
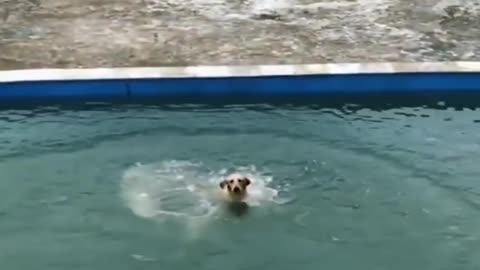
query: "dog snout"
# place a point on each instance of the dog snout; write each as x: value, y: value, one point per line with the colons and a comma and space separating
x: 236, y: 189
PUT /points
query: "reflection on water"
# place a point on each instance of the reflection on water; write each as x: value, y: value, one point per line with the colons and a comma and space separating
x: 68, y: 33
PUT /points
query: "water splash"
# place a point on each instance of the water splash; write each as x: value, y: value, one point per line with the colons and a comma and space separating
x: 185, y: 191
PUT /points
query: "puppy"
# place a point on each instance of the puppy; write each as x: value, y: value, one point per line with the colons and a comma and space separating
x: 234, y: 189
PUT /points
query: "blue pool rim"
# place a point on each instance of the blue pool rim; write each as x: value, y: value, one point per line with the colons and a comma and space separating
x: 268, y: 81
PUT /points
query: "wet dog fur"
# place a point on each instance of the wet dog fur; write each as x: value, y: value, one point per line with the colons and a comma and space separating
x: 234, y: 189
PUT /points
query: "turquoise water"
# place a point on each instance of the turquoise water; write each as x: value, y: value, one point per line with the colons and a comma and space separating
x: 348, y: 188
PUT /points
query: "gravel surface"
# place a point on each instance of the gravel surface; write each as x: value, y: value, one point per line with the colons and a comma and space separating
x: 119, y: 33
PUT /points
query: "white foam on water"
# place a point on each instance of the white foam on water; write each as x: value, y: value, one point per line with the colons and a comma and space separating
x: 184, y: 191
x: 164, y: 189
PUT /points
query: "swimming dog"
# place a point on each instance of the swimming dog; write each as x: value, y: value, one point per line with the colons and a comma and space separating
x: 234, y: 189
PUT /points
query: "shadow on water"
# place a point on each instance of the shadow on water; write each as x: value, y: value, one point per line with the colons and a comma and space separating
x: 374, y: 101
x: 239, y: 209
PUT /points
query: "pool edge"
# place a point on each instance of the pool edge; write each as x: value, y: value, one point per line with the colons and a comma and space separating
x: 252, y: 80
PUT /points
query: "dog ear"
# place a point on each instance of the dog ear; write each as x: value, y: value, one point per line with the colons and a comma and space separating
x: 223, y: 183
x: 246, y: 181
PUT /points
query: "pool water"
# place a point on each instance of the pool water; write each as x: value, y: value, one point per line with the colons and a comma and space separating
x: 118, y: 187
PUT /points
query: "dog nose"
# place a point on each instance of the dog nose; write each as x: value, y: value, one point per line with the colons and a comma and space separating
x: 236, y: 189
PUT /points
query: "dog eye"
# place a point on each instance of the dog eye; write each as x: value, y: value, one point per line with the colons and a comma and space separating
x: 231, y: 181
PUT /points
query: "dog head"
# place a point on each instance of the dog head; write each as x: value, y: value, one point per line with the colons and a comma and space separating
x: 235, y: 186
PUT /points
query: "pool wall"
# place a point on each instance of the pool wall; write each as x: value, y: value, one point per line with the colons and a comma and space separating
x: 227, y: 81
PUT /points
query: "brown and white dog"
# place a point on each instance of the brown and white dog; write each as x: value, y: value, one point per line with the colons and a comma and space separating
x: 234, y: 189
